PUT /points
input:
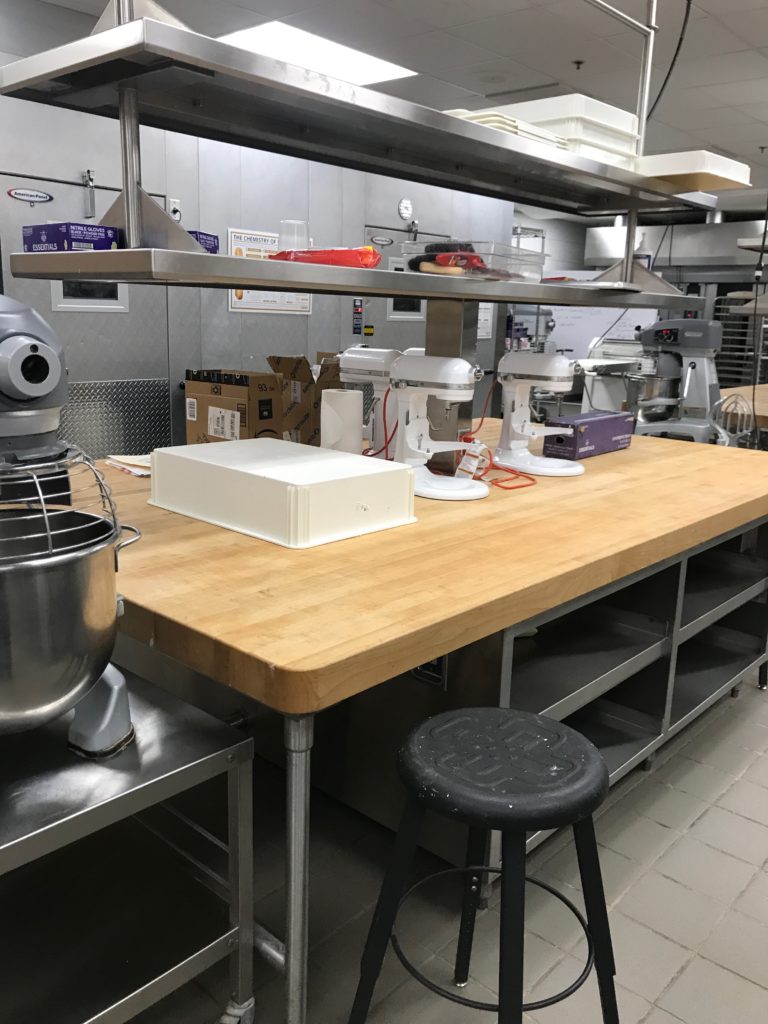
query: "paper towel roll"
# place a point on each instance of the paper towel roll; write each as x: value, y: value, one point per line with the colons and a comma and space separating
x: 341, y: 420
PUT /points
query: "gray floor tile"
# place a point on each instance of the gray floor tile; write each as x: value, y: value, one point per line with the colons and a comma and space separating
x: 723, y: 754
x: 665, y: 805
x: 661, y: 1017
x: 707, y: 994
x: 747, y: 799
x: 666, y: 906
x: 618, y: 871
x: 705, y: 869
x: 740, y: 943
x: 702, y: 780
x: 733, y: 834
x: 744, y: 732
x: 758, y: 771
x: 550, y: 919
x: 638, y: 838
x: 411, y: 1003
x: 754, y: 899
x: 584, y: 1006
x: 540, y: 956
x: 646, y: 962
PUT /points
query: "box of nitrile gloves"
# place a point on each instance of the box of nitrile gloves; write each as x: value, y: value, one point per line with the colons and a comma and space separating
x: 591, y: 433
x: 69, y: 236
x: 209, y: 242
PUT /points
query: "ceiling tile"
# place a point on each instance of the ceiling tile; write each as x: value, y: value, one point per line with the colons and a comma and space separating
x: 428, y: 91
x: 443, y: 13
x: 359, y: 23
x: 94, y: 7
x: 663, y: 138
x: 704, y: 36
x: 30, y: 27
x: 701, y: 120
x: 431, y: 52
x: 502, y: 75
x: 210, y: 19
x: 532, y: 36
x: 758, y: 111
x: 599, y: 23
x: 277, y: 9
x: 735, y: 94
x: 752, y: 26
x: 722, y: 68
x: 727, y: 7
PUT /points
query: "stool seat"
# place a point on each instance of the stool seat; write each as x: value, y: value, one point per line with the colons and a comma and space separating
x: 503, y: 769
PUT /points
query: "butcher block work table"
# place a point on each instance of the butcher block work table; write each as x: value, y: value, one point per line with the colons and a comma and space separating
x: 299, y: 630
x: 626, y: 600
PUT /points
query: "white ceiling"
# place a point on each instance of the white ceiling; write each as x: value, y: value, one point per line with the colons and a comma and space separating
x: 480, y: 53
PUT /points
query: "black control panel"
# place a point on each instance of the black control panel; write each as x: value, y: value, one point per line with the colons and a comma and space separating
x: 666, y: 336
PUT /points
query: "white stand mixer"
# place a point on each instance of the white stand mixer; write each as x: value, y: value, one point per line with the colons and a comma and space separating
x: 361, y: 365
x: 414, y: 378
x: 519, y: 373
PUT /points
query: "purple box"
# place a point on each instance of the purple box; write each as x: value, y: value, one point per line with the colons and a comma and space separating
x: 69, y: 236
x: 594, y: 433
x: 209, y: 242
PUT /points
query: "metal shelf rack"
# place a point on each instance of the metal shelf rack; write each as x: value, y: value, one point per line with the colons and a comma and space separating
x: 186, y: 82
x: 170, y: 267
x: 75, y: 864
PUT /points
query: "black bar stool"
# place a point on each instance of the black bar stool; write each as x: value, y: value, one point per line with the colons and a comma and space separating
x: 515, y: 772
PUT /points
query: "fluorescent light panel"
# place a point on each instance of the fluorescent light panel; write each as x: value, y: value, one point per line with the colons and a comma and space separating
x: 305, y: 50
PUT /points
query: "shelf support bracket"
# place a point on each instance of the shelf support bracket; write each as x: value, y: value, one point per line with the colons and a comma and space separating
x: 143, y: 221
x: 138, y: 9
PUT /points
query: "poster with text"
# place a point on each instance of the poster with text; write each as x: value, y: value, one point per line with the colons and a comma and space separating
x: 256, y: 245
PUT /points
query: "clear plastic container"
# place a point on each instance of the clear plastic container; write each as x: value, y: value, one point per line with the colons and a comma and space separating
x: 490, y: 260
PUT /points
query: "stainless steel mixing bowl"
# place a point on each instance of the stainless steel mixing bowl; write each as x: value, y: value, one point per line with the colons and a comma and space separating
x: 58, y: 615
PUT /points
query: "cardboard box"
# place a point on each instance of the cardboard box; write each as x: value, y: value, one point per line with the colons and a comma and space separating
x: 302, y: 395
x: 209, y: 242
x: 594, y: 433
x: 228, y: 405
x: 68, y: 236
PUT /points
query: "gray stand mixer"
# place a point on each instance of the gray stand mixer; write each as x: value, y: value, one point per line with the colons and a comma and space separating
x: 59, y: 538
x: 678, y: 388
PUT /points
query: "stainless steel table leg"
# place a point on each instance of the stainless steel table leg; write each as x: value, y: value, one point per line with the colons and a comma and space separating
x: 299, y: 731
x: 240, y: 825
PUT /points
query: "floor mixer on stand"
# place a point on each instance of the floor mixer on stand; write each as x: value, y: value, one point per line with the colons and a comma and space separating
x: 59, y: 539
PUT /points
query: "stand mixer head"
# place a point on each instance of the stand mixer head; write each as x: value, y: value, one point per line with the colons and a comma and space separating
x: 360, y: 365
x: 413, y: 379
x: 33, y: 387
x: 519, y: 373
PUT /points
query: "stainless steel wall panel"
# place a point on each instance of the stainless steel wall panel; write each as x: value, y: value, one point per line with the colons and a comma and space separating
x: 118, y: 417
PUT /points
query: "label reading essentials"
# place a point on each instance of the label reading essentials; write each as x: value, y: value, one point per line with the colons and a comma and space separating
x: 192, y: 409
x: 223, y: 423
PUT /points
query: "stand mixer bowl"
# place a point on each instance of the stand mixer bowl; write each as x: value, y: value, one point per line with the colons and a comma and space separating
x: 58, y: 603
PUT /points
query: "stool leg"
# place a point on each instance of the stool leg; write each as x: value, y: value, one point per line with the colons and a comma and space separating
x: 477, y: 845
x: 512, y: 938
x: 597, y: 916
x: 385, y: 913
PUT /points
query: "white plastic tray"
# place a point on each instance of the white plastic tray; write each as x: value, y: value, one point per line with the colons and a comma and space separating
x: 291, y: 494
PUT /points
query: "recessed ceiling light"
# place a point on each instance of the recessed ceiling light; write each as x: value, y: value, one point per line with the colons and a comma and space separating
x: 306, y: 50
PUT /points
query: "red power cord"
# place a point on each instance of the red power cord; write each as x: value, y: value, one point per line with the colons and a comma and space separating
x: 387, y: 439
x: 505, y: 482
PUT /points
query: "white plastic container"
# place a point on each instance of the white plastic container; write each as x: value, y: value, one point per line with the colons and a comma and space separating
x: 696, y: 170
x: 591, y: 128
x: 291, y: 494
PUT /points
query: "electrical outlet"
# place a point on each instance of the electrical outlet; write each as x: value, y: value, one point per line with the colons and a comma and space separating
x: 173, y: 207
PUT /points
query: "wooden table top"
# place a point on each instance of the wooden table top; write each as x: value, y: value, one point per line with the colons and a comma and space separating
x: 761, y: 400
x: 301, y: 630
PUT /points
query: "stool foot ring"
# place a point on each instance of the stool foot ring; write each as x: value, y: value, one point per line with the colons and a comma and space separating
x: 474, y: 1004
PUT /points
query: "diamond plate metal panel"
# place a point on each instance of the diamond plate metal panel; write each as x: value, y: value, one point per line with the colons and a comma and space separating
x: 118, y: 417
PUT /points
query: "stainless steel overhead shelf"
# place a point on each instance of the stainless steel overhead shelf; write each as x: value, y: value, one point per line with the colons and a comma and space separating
x: 191, y: 83
x: 169, y: 267
x: 751, y: 244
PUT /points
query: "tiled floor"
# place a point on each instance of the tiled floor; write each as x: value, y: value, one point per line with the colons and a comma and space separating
x: 684, y: 851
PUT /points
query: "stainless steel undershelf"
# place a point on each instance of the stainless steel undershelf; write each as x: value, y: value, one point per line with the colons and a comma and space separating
x: 169, y: 267
x: 191, y: 83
